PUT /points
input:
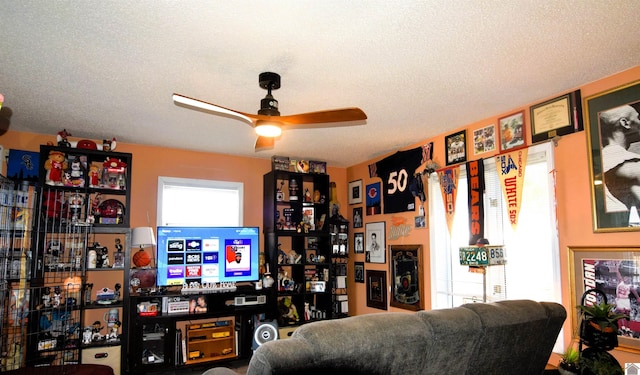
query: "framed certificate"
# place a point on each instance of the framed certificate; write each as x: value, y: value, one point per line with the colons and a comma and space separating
x: 558, y: 116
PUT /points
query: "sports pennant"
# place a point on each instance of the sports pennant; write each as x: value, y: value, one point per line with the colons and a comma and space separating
x: 449, y: 187
x: 511, y: 166
x: 475, y: 182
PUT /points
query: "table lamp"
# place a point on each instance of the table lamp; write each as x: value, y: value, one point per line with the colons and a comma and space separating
x: 142, y: 237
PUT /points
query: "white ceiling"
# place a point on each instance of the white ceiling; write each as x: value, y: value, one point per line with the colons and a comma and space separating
x: 417, y: 68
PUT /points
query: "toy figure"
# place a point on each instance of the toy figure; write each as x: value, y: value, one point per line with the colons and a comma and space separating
x: 113, y: 335
x: 307, y: 195
x: 87, y: 335
x: 76, y: 173
x: 104, y: 258
x: 94, y: 176
x: 96, y: 335
x: 46, y: 297
x: 116, y: 294
x: 288, y: 311
x: 307, y: 312
x: 55, y: 165
x: 62, y: 138
x: 57, y: 297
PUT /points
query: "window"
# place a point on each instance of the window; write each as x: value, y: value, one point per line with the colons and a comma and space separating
x: 193, y: 202
x: 533, y: 263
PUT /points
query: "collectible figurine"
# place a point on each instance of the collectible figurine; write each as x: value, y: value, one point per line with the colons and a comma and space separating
x: 96, y: 335
x: 55, y: 166
x: 87, y: 335
x: 87, y: 293
x: 94, y: 176
x: 104, y: 258
x: 46, y: 297
x: 113, y: 335
x: 116, y: 293
x: 57, y: 297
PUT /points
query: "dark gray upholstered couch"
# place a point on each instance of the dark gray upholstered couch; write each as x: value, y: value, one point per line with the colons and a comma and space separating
x: 508, y: 337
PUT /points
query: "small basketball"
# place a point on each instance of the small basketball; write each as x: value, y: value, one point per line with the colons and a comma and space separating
x: 141, y: 259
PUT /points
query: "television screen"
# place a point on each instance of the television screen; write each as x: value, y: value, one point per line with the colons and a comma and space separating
x: 207, y: 254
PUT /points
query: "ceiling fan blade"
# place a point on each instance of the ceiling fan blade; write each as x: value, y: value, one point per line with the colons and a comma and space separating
x: 200, y: 104
x: 320, y: 117
x: 264, y: 143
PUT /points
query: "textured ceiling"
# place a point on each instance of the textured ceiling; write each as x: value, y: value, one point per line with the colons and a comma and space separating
x: 417, y: 68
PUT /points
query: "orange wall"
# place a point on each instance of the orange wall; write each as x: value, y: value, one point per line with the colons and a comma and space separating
x: 573, y: 203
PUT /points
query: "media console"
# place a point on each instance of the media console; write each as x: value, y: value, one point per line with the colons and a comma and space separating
x: 205, y: 328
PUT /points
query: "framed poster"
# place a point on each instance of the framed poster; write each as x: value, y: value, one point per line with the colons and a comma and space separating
x: 484, y: 139
x: 377, y: 289
x: 355, y: 192
x: 358, y: 272
x: 375, y: 242
x: 614, y: 146
x: 610, y: 270
x: 358, y: 243
x: 406, y: 275
x: 558, y: 116
x: 456, y: 147
x: 374, y: 205
x: 512, y: 132
x: 357, y: 217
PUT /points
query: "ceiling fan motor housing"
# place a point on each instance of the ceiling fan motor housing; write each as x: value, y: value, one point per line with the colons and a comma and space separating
x: 269, y: 81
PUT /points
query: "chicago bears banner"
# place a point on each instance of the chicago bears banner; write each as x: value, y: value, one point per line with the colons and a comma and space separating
x: 475, y: 181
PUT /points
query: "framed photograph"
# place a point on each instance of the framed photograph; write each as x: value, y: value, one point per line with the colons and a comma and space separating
x: 357, y: 217
x: 358, y: 271
x: 456, y: 147
x: 406, y: 275
x: 374, y: 205
x: 614, y: 144
x: 512, y: 131
x: 484, y: 139
x: 377, y: 289
x: 358, y: 243
x: 612, y: 270
x: 558, y: 116
x: 355, y: 192
x: 375, y: 242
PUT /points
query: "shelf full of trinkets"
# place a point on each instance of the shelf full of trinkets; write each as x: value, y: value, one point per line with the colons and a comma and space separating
x: 80, y: 238
x: 16, y: 214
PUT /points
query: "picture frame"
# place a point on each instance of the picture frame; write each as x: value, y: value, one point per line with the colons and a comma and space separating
x: 484, y: 139
x: 600, y: 268
x: 406, y: 275
x: 355, y: 192
x: 357, y: 217
x: 612, y: 200
x: 358, y: 272
x: 358, y: 243
x: 456, y: 147
x: 512, y: 131
x: 558, y: 116
x: 377, y: 289
x: 375, y: 242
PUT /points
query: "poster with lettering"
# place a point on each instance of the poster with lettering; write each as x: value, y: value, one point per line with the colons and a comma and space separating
x: 619, y: 281
x: 511, y: 166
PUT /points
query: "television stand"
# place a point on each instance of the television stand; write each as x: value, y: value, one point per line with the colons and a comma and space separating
x: 206, y: 328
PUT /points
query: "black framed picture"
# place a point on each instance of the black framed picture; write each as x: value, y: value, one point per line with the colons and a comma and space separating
x: 377, y: 289
x: 614, y: 145
x: 358, y: 272
x: 355, y: 192
x: 357, y: 217
x: 512, y: 132
x: 375, y: 242
x: 406, y: 275
x: 358, y: 243
x: 456, y: 147
x: 558, y: 116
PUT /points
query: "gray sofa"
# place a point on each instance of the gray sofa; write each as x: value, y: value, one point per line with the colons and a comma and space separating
x: 508, y: 337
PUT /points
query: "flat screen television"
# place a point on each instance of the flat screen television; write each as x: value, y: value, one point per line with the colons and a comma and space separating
x: 207, y: 254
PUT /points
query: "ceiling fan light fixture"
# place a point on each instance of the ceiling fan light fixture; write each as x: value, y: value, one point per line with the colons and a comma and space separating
x: 268, y: 129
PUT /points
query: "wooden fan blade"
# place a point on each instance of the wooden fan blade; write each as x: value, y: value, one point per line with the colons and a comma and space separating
x: 321, y: 117
x: 264, y: 143
x: 180, y: 99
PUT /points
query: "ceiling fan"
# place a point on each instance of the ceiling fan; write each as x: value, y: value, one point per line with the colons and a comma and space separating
x: 268, y: 122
